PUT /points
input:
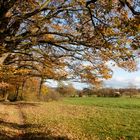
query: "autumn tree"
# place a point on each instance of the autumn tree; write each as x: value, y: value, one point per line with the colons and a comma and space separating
x: 66, y: 89
x: 11, y: 79
x: 58, y: 39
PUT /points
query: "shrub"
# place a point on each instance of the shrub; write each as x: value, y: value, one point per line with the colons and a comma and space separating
x: 67, y: 90
x: 52, y: 94
x: 108, y: 92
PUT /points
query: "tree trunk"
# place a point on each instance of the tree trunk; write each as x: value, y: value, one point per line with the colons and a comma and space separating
x: 40, y: 87
x: 6, y: 96
x: 3, y: 57
x: 16, y: 94
x: 22, y: 89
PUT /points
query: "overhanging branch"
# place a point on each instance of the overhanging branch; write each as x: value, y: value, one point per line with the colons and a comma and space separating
x: 123, y: 3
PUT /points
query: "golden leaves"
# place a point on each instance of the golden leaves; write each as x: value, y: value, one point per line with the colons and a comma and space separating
x: 48, y: 37
x: 34, y: 30
x: 82, y: 2
x: 129, y: 65
x: 45, y: 4
x: 4, y: 85
x: 10, y: 76
x: 54, y: 29
x: 8, y: 14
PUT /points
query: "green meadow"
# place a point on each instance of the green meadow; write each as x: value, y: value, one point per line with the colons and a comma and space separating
x: 88, y: 118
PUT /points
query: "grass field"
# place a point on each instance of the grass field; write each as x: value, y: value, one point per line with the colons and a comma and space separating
x: 124, y: 102
x: 72, y: 119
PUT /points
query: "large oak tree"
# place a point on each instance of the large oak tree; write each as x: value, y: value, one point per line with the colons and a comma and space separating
x: 74, y: 39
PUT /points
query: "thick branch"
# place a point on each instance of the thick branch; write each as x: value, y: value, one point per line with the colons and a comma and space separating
x: 90, y: 2
x: 123, y: 3
x: 131, y: 8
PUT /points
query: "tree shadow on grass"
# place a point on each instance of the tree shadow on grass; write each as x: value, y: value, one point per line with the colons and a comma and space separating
x: 12, y: 135
x: 16, y: 131
x: 20, y: 103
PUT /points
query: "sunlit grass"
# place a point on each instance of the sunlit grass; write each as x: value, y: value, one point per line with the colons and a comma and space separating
x: 81, y: 119
x: 74, y: 119
x: 123, y: 102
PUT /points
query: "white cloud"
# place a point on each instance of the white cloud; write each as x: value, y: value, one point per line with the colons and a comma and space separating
x: 137, y: 79
x: 51, y: 83
x: 119, y: 82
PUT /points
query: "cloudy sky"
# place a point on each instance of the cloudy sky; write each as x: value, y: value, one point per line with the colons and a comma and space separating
x: 123, y: 78
x: 120, y: 79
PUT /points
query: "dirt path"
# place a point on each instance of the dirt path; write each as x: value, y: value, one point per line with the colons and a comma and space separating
x: 11, y: 121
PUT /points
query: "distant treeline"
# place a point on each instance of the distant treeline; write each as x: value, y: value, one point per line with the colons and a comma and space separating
x: 70, y: 91
x: 32, y: 90
x: 110, y: 92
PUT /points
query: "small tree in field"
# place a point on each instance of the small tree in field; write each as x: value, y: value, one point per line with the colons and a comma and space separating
x: 66, y: 89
